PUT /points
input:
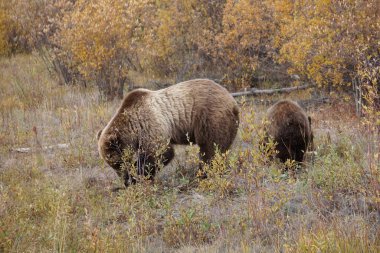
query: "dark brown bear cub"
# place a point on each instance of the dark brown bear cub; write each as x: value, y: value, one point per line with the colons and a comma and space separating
x: 200, y: 111
x: 290, y: 128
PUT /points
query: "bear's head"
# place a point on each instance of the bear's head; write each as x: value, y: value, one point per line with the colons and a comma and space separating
x: 110, y: 149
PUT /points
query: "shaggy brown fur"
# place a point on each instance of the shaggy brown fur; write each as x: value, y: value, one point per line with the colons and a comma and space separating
x: 290, y: 128
x: 200, y: 111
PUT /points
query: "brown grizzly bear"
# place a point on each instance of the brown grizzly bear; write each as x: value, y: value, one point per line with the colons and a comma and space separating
x: 198, y: 111
x: 290, y: 128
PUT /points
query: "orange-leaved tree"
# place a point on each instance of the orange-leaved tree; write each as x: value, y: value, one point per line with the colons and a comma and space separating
x: 324, y: 40
x: 180, y: 41
x: 246, y: 43
x: 102, y: 39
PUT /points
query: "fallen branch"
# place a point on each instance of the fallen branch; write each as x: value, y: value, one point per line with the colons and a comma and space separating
x: 313, y: 102
x: 255, y: 92
x: 303, y: 103
x: 27, y: 150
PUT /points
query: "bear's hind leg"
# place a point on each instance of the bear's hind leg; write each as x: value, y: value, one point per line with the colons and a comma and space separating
x: 207, y: 152
x: 168, y: 155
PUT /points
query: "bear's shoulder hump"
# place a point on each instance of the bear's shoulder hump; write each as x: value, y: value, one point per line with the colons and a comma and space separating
x: 134, y: 97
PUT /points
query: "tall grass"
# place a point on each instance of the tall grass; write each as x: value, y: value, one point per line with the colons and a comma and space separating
x: 61, y: 199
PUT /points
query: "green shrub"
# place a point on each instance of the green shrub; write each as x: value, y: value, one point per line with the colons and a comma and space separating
x: 339, y: 168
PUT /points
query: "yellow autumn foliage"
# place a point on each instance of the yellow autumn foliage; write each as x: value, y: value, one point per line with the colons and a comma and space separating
x: 181, y: 38
x: 324, y: 40
x: 235, y: 41
x: 246, y: 42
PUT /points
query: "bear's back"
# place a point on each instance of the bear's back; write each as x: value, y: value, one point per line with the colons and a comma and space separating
x: 198, y: 89
x: 185, y: 104
x: 287, y: 116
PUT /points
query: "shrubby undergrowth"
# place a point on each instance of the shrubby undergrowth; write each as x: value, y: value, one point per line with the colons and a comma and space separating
x: 61, y: 199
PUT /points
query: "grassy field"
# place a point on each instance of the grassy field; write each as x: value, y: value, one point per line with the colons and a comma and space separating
x: 61, y: 200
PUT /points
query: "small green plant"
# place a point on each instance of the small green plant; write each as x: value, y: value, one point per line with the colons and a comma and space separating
x: 255, y: 156
x: 218, y: 173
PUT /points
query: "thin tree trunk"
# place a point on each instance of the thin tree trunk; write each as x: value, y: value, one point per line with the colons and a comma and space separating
x: 120, y: 86
x: 104, y: 86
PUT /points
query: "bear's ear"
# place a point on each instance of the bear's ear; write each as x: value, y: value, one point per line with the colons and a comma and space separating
x: 99, y: 133
x: 309, y: 118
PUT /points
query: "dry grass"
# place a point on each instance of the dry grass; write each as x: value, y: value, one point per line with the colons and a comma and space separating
x: 61, y: 200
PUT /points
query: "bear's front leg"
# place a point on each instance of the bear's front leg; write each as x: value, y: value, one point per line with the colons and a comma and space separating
x: 148, y: 164
x: 122, y: 172
x: 145, y: 165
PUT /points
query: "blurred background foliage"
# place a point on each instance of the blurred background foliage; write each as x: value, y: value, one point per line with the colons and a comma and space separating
x: 244, y: 43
